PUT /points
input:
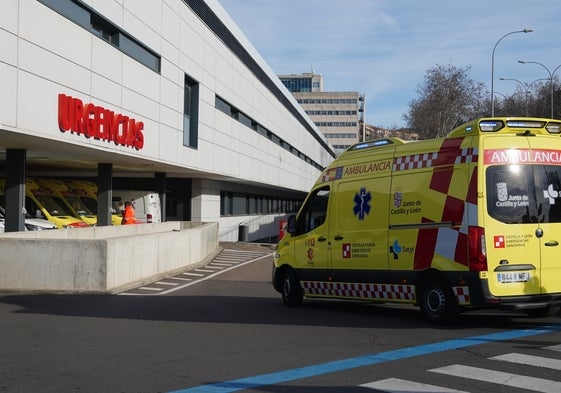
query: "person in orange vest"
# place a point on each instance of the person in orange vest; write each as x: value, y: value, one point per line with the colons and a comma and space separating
x: 128, y: 214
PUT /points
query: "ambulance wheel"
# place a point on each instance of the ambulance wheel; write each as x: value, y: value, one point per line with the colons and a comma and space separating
x: 438, y: 303
x: 291, y: 290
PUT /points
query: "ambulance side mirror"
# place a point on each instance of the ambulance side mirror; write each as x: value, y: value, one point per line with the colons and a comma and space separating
x: 291, y: 225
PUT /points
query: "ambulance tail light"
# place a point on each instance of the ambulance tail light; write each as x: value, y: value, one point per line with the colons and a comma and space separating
x: 77, y: 224
x: 477, y: 252
x: 149, y: 218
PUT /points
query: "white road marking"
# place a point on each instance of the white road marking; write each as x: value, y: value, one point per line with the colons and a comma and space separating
x: 166, y: 283
x: 193, y: 274
x: 395, y: 385
x: 536, y: 361
x: 502, y: 378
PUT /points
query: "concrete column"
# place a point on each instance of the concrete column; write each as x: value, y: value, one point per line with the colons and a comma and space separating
x: 104, y: 193
x: 15, y: 190
x: 160, y: 179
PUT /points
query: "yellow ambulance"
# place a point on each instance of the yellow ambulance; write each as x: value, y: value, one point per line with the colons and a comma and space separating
x: 472, y: 220
x: 42, y: 203
x: 72, y: 200
x: 87, y: 192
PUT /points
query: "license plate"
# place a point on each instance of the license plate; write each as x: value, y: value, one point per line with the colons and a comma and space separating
x: 513, y: 277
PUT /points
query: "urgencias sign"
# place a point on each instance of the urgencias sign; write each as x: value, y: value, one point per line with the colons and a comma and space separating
x: 94, y: 121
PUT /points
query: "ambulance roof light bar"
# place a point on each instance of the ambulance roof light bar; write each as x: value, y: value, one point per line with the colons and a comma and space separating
x: 496, y: 125
x: 373, y: 143
x: 491, y: 125
x: 553, y: 127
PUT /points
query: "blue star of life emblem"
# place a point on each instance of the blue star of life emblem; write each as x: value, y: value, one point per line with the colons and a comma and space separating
x: 362, y: 203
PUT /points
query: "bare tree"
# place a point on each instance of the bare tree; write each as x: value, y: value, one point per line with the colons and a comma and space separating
x: 448, y: 98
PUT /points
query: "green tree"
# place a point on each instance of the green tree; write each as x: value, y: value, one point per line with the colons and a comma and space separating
x: 448, y: 97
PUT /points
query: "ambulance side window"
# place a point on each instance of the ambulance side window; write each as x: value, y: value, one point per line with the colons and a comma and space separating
x: 314, y: 212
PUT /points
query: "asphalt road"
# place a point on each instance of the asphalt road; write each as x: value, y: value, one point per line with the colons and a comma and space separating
x: 228, y: 331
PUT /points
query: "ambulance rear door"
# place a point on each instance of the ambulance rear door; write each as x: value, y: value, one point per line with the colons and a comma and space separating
x: 546, y: 153
x: 522, y: 216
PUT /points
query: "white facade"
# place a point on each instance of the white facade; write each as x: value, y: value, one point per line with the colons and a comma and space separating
x: 44, y: 54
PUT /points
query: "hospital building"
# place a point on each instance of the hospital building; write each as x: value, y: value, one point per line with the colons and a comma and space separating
x: 162, y: 95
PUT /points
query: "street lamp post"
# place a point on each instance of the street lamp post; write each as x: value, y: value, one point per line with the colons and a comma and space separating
x: 524, y: 86
x: 493, y: 66
x: 550, y: 77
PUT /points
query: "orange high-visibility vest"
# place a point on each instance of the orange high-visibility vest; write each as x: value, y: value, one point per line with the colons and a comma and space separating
x: 128, y: 216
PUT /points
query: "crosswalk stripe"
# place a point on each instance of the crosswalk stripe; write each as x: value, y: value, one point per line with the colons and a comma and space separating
x: 225, y: 261
x: 554, y: 347
x: 536, y: 361
x: 502, y: 378
x: 193, y: 274
x: 394, y: 385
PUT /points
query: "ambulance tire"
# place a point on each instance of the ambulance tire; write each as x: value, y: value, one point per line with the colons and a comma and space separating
x: 437, y: 302
x: 291, y: 290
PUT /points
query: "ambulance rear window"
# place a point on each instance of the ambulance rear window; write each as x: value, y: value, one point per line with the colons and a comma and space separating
x: 518, y: 194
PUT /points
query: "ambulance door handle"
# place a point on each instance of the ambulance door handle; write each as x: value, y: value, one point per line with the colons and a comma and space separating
x: 338, y: 237
x: 552, y: 243
x: 321, y: 239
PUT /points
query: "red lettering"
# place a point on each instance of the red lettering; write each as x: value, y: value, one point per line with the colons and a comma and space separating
x: 98, y: 122
x: 139, y: 136
x: 64, y: 122
x: 75, y: 112
x: 122, y: 122
x: 89, y: 120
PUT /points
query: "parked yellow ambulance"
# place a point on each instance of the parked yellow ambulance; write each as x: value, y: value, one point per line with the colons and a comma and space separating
x: 469, y: 221
x: 73, y: 202
x: 42, y: 203
x: 87, y: 192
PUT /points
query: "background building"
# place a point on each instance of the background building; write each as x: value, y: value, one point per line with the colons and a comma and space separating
x: 164, y: 95
x: 338, y: 115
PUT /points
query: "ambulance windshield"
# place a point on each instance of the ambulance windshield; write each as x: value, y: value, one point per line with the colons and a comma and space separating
x: 519, y: 194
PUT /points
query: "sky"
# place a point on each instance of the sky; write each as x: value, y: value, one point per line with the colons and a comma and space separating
x: 384, y: 48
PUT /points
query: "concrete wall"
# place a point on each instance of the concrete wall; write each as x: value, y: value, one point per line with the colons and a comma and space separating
x: 103, y: 259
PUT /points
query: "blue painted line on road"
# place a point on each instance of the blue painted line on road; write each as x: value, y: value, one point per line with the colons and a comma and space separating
x: 360, y: 361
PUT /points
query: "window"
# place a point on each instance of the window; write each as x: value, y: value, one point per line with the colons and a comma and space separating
x: 101, y: 27
x: 239, y: 204
x: 528, y: 194
x: 230, y: 110
x: 234, y: 204
x: 222, y: 106
x: 225, y: 203
x: 71, y: 11
x: 314, y: 213
x: 137, y: 52
x: 191, y: 113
